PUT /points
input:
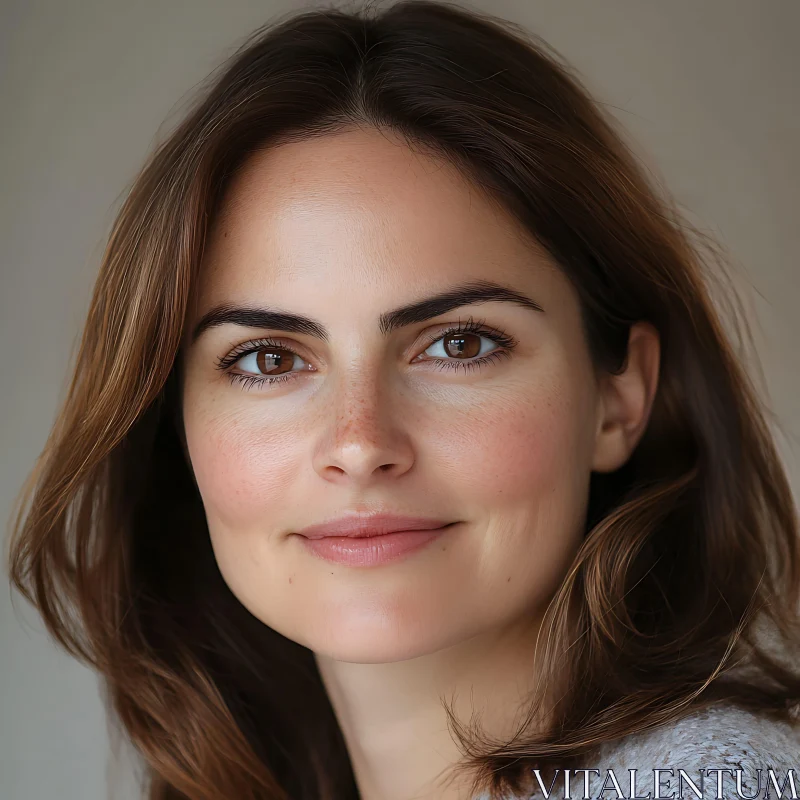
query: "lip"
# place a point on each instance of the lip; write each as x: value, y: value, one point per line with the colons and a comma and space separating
x: 357, y: 526
x: 370, y: 551
x: 361, y: 541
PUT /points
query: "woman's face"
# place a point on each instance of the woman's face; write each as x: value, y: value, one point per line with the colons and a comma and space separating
x: 401, y: 418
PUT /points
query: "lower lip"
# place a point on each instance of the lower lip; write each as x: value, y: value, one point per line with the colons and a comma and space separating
x: 370, y: 551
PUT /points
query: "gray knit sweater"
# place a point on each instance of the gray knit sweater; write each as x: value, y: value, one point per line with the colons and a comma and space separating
x: 710, y: 745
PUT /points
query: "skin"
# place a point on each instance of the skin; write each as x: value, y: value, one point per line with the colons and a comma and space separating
x: 341, y: 229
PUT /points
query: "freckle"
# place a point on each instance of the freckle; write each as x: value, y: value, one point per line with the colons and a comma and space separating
x: 509, y: 580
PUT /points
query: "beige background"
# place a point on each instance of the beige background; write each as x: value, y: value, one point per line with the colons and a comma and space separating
x: 708, y: 90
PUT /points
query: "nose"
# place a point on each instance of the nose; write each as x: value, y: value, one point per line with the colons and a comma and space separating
x: 362, y: 435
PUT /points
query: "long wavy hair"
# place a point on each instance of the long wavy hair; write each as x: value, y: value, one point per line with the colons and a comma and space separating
x: 685, y: 589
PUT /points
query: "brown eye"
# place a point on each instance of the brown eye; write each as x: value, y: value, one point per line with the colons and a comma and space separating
x: 274, y: 360
x: 466, y: 346
x: 462, y: 345
x: 267, y: 360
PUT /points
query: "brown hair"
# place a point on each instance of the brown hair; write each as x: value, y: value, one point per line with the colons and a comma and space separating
x: 687, y: 546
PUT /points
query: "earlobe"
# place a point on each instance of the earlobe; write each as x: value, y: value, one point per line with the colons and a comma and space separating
x: 627, y: 399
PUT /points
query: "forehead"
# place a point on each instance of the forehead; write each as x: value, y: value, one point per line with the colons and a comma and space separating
x: 357, y: 209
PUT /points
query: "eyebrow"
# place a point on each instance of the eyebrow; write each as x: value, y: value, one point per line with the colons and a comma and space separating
x: 419, y: 311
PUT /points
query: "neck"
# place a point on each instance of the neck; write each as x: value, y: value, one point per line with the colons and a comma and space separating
x: 394, y: 722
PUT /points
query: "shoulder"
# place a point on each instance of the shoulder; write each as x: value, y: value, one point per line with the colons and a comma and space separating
x: 722, y: 736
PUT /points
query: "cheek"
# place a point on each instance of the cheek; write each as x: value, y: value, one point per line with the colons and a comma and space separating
x: 521, y: 449
x: 244, y: 469
x: 524, y: 473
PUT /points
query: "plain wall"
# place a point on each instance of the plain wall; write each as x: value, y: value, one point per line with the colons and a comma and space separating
x: 708, y: 90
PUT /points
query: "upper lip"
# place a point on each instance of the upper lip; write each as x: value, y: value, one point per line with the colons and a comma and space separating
x: 362, y: 525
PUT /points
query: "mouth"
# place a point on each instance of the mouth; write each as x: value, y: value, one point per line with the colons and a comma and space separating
x: 366, y: 548
x: 360, y: 526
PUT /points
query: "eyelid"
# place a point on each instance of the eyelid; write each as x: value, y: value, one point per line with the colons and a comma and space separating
x: 470, y: 325
x: 251, y: 346
x: 478, y: 327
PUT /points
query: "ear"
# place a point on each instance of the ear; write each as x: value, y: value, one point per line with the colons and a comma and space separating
x: 626, y: 400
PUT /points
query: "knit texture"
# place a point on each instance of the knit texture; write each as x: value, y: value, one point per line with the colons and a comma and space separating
x: 721, y: 737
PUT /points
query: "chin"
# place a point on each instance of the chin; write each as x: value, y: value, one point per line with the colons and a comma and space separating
x: 384, y: 648
x: 366, y: 638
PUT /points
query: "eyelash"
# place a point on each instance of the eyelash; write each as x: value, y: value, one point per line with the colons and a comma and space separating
x: 506, y: 342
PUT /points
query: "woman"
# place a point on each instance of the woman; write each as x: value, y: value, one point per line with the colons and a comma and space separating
x: 406, y: 454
